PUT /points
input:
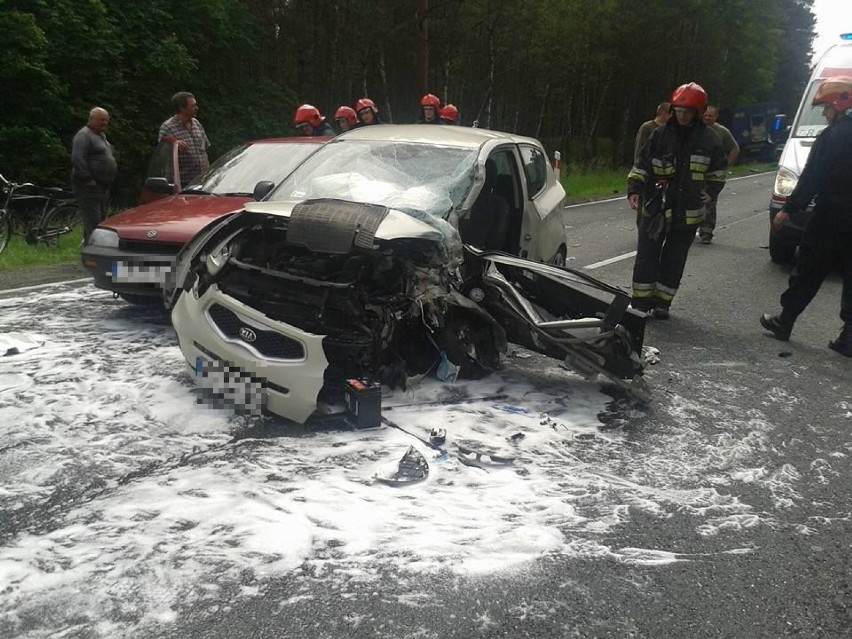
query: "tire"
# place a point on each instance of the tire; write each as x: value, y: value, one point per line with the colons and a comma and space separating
x: 781, y: 251
x: 5, y: 229
x: 56, y: 221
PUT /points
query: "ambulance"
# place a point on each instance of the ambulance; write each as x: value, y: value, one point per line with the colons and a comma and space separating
x: 807, y: 124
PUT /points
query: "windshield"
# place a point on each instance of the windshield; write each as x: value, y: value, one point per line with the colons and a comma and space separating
x: 423, y: 180
x: 241, y: 168
x: 810, y: 121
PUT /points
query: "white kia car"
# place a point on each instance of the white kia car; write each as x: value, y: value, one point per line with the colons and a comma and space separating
x: 392, y: 252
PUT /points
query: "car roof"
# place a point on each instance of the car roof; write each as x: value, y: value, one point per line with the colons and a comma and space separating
x: 301, y: 139
x: 439, y: 134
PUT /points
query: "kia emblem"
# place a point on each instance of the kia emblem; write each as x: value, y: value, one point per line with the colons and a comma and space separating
x: 152, y: 233
x: 247, y: 334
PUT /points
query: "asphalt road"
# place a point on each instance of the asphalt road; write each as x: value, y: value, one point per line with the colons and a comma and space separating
x: 721, y: 510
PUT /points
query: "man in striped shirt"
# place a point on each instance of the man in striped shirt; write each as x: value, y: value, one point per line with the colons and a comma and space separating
x: 186, y: 132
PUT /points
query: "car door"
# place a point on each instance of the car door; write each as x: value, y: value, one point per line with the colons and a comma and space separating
x: 163, y: 177
x: 543, y: 233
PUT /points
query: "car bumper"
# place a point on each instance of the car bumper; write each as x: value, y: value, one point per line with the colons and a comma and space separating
x: 127, y: 272
x: 286, y: 376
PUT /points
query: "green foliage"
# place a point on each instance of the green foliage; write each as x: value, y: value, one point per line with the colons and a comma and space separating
x: 579, y: 75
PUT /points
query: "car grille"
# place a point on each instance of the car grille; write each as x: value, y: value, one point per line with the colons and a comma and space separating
x: 267, y: 343
x: 156, y: 248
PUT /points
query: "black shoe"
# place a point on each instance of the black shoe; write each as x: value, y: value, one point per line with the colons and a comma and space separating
x: 706, y: 239
x: 843, y: 344
x: 660, y: 313
x: 772, y: 323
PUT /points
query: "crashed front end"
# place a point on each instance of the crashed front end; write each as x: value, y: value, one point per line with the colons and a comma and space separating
x: 562, y: 313
x: 279, y: 310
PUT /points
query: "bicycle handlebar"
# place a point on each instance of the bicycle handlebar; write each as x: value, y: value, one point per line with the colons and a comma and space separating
x: 53, y: 192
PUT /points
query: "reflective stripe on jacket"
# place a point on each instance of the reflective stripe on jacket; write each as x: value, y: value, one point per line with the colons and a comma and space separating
x: 676, y: 165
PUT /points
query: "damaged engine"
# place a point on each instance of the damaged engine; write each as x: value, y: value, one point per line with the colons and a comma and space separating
x: 383, y: 314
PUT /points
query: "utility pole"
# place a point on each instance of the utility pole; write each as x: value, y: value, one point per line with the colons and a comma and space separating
x: 421, y: 18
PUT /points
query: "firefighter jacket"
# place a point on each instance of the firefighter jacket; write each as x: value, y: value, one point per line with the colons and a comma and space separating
x: 673, y: 169
x: 827, y: 176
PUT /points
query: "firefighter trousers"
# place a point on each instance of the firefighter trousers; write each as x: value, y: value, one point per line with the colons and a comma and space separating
x: 823, y: 248
x: 659, y: 265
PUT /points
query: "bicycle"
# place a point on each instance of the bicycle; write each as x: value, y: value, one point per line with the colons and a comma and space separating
x: 38, y: 214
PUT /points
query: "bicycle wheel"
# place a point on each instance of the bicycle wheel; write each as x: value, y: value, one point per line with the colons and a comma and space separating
x: 5, y: 229
x: 59, y: 220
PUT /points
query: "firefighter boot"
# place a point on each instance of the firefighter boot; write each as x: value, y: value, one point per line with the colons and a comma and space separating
x: 777, y: 325
x: 843, y: 344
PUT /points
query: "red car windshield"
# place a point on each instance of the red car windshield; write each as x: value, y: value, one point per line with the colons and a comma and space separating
x: 238, y: 171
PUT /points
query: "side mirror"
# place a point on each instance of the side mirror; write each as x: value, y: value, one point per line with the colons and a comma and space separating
x: 159, y: 185
x: 262, y: 189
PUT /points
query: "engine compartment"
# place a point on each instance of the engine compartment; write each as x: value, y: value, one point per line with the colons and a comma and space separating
x: 380, y: 312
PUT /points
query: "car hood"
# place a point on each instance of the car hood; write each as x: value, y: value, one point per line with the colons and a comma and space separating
x: 397, y: 224
x: 173, y: 219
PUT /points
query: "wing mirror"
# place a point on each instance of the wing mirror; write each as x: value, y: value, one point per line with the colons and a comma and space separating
x: 159, y: 185
x: 262, y: 189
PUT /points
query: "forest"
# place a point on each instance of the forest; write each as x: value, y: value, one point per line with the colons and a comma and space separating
x: 580, y: 75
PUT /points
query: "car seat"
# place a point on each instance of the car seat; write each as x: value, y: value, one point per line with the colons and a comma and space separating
x: 488, y: 225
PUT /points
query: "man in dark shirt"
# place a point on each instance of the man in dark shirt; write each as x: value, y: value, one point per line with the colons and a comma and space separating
x: 664, y: 112
x: 827, y: 239
x: 93, y: 169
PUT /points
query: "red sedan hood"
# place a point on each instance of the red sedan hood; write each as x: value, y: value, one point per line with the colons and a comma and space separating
x: 176, y: 219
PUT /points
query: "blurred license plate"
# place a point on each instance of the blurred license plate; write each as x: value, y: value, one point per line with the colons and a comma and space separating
x: 227, y: 386
x: 140, y: 273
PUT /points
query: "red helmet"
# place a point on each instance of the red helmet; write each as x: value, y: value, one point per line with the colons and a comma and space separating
x: 835, y: 92
x: 691, y: 96
x: 449, y: 112
x: 366, y: 103
x: 430, y: 100
x: 308, y: 114
x: 346, y: 113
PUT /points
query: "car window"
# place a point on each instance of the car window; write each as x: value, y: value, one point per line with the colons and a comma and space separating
x: 241, y: 168
x: 811, y: 120
x: 535, y: 168
x: 412, y: 177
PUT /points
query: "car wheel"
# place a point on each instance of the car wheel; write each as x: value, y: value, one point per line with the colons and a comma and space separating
x: 781, y: 251
x: 142, y: 300
x: 559, y: 259
x: 469, y: 345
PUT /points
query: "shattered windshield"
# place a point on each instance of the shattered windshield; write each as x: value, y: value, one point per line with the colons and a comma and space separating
x: 239, y: 170
x: 423, y: 180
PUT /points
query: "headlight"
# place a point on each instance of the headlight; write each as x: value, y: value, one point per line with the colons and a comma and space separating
x: 104, y: 237
x: 785, y: 182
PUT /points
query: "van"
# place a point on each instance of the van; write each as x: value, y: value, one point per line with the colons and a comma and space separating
x: 806, y: 126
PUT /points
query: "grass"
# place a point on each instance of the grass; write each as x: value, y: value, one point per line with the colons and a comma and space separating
x: 19, y: 254
x: 582, y: 185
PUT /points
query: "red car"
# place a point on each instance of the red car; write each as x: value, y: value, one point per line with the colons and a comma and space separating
x: 132, y: 252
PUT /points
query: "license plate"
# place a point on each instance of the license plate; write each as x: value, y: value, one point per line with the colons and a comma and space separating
x: 226, y: 386
x: 140, y: 273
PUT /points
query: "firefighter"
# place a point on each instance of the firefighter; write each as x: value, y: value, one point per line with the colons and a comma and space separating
x: 368, y: 112
x: 346, y: 118
x: 311, y: 122
x: 429, y: 106
x: 680, y: 170
x: 827, y: 239
x: 449, y: 114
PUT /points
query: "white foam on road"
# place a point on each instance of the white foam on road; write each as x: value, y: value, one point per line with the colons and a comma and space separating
x: 129, y: 500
